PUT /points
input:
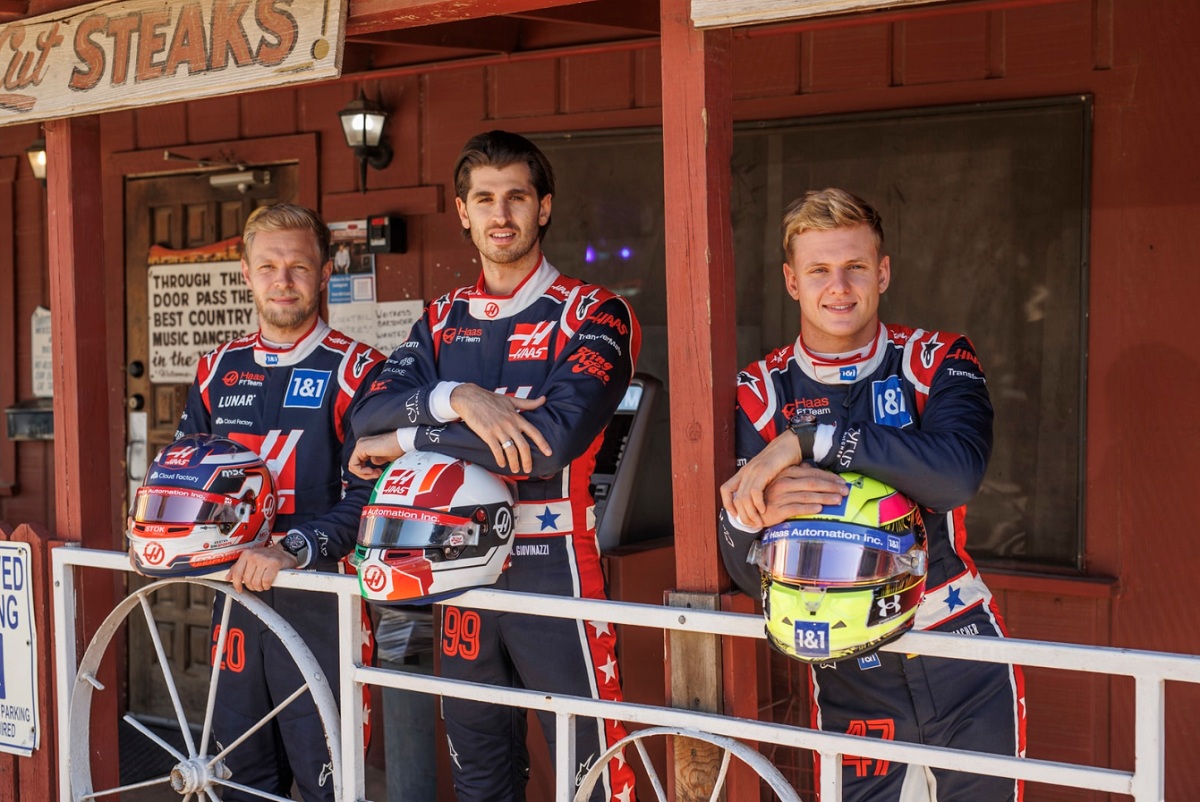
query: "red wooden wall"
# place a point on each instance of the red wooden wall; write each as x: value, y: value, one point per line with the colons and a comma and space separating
x: 1138, y: 58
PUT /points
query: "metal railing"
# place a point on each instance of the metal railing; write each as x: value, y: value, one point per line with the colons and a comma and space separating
x: 1150, y: 671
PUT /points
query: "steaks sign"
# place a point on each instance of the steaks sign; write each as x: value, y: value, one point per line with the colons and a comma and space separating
x: 118, y: 55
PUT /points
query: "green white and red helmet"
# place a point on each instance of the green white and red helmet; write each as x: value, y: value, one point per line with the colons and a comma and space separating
x: 435, y: 526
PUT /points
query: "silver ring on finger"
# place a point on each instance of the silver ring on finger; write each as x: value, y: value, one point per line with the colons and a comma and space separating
x: 506, y: 444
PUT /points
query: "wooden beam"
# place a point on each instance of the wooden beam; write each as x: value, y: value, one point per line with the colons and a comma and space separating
x: 631, y: 15
x: 493, y: 35
x: 697, y: 148
x: 367, y: 16
x: 405, y: 201
x: 83, y: 425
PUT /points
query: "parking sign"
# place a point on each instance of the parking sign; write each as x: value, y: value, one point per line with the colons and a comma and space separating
x: 18, y: 652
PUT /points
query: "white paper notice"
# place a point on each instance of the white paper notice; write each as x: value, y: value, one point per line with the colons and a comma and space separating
x: 193, y: 309
x: 355, y: 320
x: 394, y: 320
x: 43, y: 357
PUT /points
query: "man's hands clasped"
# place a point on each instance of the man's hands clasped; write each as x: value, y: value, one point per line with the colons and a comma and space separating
x: 498, y: 421
x: 774, y: 486
x: 495, y: 418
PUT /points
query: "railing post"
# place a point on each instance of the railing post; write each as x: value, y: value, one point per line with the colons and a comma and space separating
x: 1149, y: 749
x: 564, y: 756
x: 350, y: 698
x: 65, y: 662
x: 831, y: 777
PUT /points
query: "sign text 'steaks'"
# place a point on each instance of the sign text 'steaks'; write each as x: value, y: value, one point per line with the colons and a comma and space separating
x: 113, y: 55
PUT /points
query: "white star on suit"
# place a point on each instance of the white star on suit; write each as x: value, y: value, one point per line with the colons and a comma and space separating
x: 601, y: 627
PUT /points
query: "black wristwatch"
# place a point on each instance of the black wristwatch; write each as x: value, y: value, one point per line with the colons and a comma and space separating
x: 804, y: 426
x: 296, y: 545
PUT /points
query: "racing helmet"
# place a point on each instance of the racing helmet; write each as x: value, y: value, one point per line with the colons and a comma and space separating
x: 435, y: 526
x: 203, y: 502
x: 846, y: 580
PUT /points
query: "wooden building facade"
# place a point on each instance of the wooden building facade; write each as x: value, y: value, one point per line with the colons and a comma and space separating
x: 607, y: 85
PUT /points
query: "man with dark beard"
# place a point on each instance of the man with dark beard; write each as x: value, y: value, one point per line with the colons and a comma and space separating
x: 519, y: 373
x: 285, y: 392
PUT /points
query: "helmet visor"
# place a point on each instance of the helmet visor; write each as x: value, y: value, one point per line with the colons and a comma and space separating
x: 835, y: 553
x: 408, y: 528
x: 171, y: 505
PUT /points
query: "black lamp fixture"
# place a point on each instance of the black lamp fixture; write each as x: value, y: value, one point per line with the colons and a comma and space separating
x: 37, y: 159
x: 362, y: 125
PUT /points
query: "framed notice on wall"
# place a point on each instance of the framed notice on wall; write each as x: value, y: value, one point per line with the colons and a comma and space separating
x: 193, y: 308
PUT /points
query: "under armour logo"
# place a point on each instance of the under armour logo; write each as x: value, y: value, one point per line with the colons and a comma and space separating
x: 889, y: 606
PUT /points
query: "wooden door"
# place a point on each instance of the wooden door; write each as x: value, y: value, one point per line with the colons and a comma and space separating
x: 177, y: 212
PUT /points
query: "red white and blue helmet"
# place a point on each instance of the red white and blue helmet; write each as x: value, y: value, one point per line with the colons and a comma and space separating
x: 435, y: 526
x: 203, y: 502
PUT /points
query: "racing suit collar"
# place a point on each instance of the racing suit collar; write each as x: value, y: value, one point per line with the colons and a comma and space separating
x: 271, y: 355
x: 495, y: 307
x: 842, y: 368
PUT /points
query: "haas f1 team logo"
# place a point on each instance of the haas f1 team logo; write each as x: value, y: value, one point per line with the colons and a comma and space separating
x: 179, y: 457
x: 375, y: 578
x: 530, y: 341
x: 154, y: 553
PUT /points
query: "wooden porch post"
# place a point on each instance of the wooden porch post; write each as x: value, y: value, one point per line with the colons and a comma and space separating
x: 78, y: 321
x: 84, y: 433
x: 697, y: 147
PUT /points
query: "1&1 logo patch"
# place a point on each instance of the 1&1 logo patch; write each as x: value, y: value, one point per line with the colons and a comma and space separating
x: 306, y: 388
x: 890, y: 406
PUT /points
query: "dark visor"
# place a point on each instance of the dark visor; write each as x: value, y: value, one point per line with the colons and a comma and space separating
x: 179, y: 506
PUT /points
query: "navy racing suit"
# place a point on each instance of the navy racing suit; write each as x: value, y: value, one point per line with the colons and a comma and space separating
x: 911, y: 410
x: 576, y: 344
x: 292, y: 408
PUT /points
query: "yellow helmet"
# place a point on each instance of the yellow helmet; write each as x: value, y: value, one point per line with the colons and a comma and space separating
x: 846, y: 580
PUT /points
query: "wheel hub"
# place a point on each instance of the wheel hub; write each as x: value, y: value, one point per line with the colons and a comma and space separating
x: 194, y: 775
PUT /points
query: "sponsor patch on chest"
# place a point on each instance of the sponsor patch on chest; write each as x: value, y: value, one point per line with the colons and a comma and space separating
x: 889, y: 406
x: 530, y: 341
x: 306, y: 388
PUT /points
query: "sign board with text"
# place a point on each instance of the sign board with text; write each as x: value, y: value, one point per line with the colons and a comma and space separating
x: 119, y: 55
x: 18, y: 652
x: 194, y: 307
x: 724, y: 14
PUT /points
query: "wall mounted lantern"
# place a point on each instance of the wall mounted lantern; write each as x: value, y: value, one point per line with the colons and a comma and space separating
x: 37, y: 159
x: 362, y: 125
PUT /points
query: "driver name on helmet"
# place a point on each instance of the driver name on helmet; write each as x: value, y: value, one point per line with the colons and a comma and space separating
x: 435, y: 526
x: 846, y: 580
x: 204, y: 501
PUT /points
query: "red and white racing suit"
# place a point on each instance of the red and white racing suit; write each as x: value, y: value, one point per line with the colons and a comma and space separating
x: 575, y: 344
x: 911, y: 410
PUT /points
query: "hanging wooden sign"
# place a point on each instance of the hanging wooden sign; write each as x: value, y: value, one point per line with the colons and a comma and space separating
x: 118, y: 55
x: 723, y: 14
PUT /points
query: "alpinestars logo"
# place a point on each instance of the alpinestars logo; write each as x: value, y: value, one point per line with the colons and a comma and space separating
x: 360, y: 363
x: 929, y: 350
x: 586, y: 302
x: 530, y: 341
x: 747, y: 379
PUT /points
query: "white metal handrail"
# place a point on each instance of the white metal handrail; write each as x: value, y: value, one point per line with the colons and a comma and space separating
x: 1150, y: 670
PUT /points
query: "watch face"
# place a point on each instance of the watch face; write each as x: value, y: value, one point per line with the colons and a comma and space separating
x: 803, y: 419
x: 293, y: 543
